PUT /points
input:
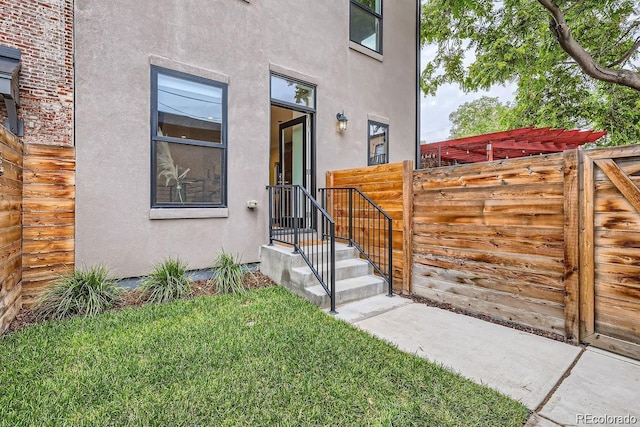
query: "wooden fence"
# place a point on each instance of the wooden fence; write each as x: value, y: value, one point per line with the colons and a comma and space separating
x: 610, y: 250
x: 389, y: 186
x: 49, y: 215
x: 551, y: 241
x: 490, y: 238
x: 10, y: 227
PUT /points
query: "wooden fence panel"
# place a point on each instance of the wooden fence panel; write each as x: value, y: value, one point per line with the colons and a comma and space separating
x: 11, y: 159
x: 389, y: 186
x: 49, y: 213
x: 490, y: 238
x: 610, y: 279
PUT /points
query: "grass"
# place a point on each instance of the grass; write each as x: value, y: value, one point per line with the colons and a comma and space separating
x: 85, y: 292
x: 167, y: 282
x: 228, y: 273
x: 261, y: 358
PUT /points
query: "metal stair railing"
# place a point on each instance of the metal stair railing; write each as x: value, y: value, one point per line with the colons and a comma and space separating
x: 297, y: 219
x: 361, y: 222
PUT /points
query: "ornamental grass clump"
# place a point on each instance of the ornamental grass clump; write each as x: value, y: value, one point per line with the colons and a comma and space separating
x: 167, y: 282
x: 84, y: 292
x: 229, y: 273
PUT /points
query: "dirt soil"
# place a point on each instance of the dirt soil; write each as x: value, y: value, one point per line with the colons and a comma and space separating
x: 486, y: 318
x: 131, y: 298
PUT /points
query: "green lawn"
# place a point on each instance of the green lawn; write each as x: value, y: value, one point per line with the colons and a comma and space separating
x: 261, y: 359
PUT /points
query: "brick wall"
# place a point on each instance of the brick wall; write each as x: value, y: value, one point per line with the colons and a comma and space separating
x: 43, y: 31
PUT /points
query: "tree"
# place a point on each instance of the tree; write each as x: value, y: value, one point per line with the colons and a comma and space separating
x: 477, y: 117
x: 571, y: 59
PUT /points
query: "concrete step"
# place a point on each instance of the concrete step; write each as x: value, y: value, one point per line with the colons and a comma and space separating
x: 282, y: 254
x: 347, y: 290
x: 342, y: 251
x: 344, y: 269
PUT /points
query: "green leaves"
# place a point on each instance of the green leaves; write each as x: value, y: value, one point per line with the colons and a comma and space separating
x: 481, y: 43
x: 477, y: 117
x: 167, y: 282
x: 228, y: 273
x: 84, y: 292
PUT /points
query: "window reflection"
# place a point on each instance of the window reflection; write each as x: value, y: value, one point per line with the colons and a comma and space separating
x: 292, y: 92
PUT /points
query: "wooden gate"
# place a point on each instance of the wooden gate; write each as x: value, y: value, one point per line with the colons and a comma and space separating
x: 610, y: 250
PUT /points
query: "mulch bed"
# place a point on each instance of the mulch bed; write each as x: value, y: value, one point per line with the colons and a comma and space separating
x: 132, y: 298
x: 486, y: 318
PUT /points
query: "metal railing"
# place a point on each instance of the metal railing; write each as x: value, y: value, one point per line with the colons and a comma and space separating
x: 362, y: 223
x: 378, y: 159
x: 297, y: 219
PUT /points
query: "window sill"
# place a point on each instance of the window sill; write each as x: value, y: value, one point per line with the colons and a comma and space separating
x: 188, y: 213
x: 366, y: 51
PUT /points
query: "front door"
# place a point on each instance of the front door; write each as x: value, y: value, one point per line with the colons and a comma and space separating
x: 293, y: 152
x: 293, y: 168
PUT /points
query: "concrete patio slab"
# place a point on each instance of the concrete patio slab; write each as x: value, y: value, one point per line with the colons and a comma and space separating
x: 600, y: 385
x: 369, y: 307
x: 523, y: 366
x: 536, y: 420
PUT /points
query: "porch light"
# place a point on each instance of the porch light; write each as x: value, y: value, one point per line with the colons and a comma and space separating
x: 342, y: 121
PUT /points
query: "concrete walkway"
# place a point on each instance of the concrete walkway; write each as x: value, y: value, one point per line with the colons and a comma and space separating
x: 562, y: 384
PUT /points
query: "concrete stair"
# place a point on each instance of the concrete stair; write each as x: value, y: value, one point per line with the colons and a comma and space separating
x: 354, y: 276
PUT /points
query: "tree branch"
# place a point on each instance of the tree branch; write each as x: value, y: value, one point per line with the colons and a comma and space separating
x: 627, y: 55
x: 576, y: 4
x: 582, y: 57
x: 620, y: 40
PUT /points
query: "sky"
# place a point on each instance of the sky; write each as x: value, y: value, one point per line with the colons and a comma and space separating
x: 434, y: 114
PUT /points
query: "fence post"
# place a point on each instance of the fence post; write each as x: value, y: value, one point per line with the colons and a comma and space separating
x: 407, y: 226
x: 571, y: 247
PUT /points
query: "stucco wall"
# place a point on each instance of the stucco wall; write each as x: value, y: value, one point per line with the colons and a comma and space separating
x: 223, y: 39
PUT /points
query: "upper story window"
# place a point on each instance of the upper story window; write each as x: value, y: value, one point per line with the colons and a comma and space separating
x: 188, y: 140
x: 365, y: 26
x: 378, y: 143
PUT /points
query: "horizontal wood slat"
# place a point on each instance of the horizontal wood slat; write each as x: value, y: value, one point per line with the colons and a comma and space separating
x: 387, y: 185
x: 490, y: 238
x: 49, y: 213
x: 10, y: 227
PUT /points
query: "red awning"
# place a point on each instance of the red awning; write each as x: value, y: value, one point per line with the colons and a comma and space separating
x: 509, y: 144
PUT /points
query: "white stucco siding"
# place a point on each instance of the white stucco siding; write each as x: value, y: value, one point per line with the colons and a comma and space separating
x: 225, y: 40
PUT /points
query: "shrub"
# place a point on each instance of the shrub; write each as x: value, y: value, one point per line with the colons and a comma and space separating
x: 84, y: 292
x: 167, y: 282
x: 228, y: 273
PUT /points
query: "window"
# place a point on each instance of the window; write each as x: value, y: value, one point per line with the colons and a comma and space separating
x: 188, y: 140
x: 378, y: 143
x: 294, y: 93
x: 365, y: 25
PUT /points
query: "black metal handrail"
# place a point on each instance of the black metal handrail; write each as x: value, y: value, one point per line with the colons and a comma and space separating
x: 361, y: 222
x: 297, y: 219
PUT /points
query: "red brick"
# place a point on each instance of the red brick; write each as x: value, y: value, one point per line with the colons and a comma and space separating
x: 43, y: 33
